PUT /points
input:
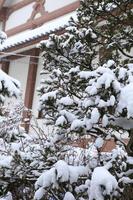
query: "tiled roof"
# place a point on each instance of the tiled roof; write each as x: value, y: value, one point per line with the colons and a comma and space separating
x: 44, y: 30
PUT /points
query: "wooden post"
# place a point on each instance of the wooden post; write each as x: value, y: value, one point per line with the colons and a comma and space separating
x: 130, y: 143
x: 2, y: 3
x: 5, y: 66
x: 31, y: 79
x: 128, y: 189
x: 30, y: 87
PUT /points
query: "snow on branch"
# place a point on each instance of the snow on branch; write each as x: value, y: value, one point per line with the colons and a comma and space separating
x: 8, y: 86
x: 60, y: 173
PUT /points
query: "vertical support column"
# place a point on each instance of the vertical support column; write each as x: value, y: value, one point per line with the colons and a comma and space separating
x: 31, y: 79
x: 30, y: 87
x: 5, y: 66
x: 1, y: 3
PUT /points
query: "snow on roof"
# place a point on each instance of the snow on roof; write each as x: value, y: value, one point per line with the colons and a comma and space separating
x: 45, y: 29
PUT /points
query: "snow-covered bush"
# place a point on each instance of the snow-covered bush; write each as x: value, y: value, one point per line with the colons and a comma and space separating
x: 90, y: 77
x: 56, y: 179
x: 23, y: 157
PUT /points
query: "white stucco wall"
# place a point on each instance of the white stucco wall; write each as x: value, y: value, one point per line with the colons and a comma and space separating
x: 36, y: 97
x: 41, y: 122
x: 52, y: 5
x: 15, y: 1
x: 19, y: 70
x: 1, y: 26
x: 19, y: 16
x: 11, y: 2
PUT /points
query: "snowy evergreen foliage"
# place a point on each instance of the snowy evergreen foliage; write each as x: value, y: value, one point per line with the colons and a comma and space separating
x: 90, y: 70
x: 8, y: 86
x: 14, y: 143
x: 3, y: 37
x: 23, y: 157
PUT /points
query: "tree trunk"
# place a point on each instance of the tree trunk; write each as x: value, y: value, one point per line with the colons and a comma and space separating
x: 128, y: 191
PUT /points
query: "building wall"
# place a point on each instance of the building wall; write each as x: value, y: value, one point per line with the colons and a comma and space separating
x: 41, y: 122
x: 51, y: 5
x: 11, y: 2
x: 19, y: 70
x: 1, y: 26
x: 15, y: 1
x: 37, y: 85
x: 36, y: 97
x: 25, y: 15
x: 19, y: 17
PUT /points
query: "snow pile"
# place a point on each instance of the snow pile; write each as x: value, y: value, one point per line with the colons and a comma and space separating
x: 48, y: 96
x: 7, y: 197
x: 102, y: 184
x: 77, y: 124
x: 69, y: 196
x: 99, y: 142
x: 126, y: 100
x: 67, y: 101
x: 95, y: 116
x: 68, y: 115
x: 130, y: 160
x: 5, y: 161
x: 61, y: 121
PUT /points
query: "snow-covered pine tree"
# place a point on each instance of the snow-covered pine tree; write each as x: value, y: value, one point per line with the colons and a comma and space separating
x: 112, y: 21
x: 90, y: 77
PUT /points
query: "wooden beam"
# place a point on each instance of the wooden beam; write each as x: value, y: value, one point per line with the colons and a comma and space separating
x: 2, y: 3
x: 30, y: 87
x: 43, y: 19
x: 19, y: 5
x: 3, y: 13
x: 17, y: 56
